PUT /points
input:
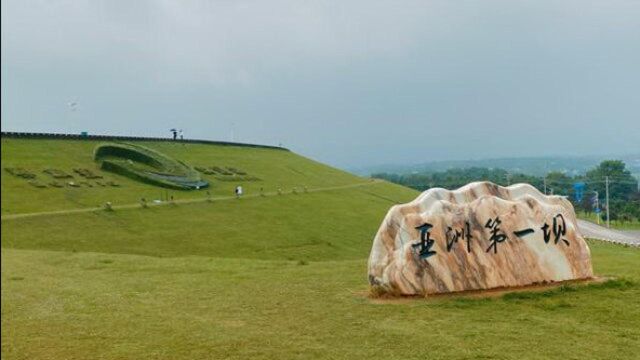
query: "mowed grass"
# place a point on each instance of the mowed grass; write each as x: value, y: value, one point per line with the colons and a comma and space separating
x: 65, y: 305
x: 335, y: 224
x: 276, y: 277
x: 276, y: 169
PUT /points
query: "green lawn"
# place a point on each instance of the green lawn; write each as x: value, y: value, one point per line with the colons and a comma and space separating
x: 275, y: 277
x: 337, y: 224
x: 65, y: 305
x: 275, y: 168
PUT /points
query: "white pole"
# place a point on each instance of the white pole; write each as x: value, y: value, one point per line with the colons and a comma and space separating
x: 597, y: 207
x: 606, y: 180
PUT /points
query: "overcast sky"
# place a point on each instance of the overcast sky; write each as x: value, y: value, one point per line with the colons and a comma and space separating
x: 351, y: 83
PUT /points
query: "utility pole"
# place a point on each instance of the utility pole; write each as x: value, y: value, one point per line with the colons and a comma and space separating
x: 597, y: 206
x: 544, y: 179
x: 606, y: 181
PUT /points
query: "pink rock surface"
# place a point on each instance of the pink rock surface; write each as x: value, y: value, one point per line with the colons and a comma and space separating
x: 481, y: 236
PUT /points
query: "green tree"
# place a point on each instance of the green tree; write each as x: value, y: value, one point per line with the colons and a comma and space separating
x: 587, y: 204
x: 622, y: 185
x: 559, y: 183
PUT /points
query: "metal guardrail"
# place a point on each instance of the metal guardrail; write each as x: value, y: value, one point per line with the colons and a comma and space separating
x: 58, y: 136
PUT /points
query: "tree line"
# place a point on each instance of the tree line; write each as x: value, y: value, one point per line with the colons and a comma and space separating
x: 624, y: 197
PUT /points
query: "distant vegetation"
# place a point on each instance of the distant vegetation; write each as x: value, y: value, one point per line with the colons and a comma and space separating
x: 624, y: 198
x: 539, y: 166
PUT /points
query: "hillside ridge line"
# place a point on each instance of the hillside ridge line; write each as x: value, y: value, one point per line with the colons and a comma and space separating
x: 87, y: 137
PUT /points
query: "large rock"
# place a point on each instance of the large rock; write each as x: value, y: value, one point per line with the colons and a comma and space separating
x: 481, y: 236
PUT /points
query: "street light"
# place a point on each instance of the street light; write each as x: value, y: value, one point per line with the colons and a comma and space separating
x: 596, y: 204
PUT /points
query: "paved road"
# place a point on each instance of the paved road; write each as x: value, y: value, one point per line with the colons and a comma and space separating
x: 635, y: 233
x: 591, y: 230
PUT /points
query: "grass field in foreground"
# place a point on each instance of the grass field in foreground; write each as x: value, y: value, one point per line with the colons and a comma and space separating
x: 64, y: 305
x: 277, y: 277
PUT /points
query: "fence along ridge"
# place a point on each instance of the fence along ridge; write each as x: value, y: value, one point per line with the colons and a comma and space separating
x: 63, y: 136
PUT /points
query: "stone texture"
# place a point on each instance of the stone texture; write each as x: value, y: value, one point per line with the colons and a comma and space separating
x: 500, y: 241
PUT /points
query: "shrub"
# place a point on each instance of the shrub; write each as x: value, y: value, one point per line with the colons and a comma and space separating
x: 36, y: 183
x: 86, y: 173
x: 236, y: 178
x: 21, y: 173
x: 221, y: 171
x: 236, y: 171
x: 58, y: 174
x: 207, y: 171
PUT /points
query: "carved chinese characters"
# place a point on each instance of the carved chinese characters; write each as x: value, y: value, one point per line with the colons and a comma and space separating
x: 481, y: 236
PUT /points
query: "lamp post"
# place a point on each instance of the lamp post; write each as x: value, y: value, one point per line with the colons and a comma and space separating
x: 607, y: 192
x: 596, y: 204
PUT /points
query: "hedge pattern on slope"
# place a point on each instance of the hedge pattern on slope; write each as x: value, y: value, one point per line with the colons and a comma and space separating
x: 226, y: 174
x: 148, y: 166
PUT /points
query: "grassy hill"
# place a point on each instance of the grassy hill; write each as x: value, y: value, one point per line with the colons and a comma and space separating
x: 264, y: 277
x: 275, y: 169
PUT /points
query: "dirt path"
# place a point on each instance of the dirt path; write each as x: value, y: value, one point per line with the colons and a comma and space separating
x: 591, y: 230
x: 183, y: 201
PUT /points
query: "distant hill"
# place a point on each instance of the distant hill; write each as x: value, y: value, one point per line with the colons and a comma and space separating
x: 571, y: 165
x: 54, y: 164
x: 323, y: 212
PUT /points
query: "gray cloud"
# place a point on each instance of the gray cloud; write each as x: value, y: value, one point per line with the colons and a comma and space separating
x: 350, y: 83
